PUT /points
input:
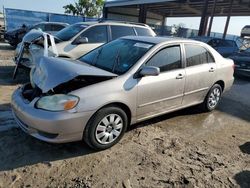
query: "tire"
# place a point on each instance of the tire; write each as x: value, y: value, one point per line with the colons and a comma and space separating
x: 98, y: 131
x: 212, y: 99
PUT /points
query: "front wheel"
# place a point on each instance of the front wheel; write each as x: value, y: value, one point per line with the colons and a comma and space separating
x: 105, y: 128
x: 212, y: 99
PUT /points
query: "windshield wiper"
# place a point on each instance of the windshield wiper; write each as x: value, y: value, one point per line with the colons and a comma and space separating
x: 117, y: 60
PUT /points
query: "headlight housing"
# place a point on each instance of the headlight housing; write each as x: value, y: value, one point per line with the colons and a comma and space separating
x: 58, y: 102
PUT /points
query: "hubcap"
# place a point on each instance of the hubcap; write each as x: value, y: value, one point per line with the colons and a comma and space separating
x: 109, y: 129
x: 214, y: 98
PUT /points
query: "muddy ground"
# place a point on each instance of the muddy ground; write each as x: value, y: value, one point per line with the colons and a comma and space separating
x: 182, y: 149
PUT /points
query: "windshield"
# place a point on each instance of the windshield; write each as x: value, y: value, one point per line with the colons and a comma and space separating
x: 70, y: 31
x: 117, y: 56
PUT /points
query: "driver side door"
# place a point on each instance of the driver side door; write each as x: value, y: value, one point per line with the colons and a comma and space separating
x: 158, y: 94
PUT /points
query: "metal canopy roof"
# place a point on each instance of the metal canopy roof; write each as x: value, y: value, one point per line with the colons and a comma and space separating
x: 186, y: 8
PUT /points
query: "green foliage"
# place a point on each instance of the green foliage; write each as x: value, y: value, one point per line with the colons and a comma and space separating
x: 87, y: 8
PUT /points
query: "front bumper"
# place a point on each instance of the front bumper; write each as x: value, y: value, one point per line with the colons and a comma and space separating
x: 54, y: 127
x: 242, y: 72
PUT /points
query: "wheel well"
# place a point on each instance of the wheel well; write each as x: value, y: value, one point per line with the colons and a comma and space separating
x: 221, y: 83
x: 124, y: 107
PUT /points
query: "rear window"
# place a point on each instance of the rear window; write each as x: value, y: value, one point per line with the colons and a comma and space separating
x: 121, y: 31
x: 143, y: 31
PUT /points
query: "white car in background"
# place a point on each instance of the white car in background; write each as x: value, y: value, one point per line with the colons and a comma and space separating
x: 78, y: 39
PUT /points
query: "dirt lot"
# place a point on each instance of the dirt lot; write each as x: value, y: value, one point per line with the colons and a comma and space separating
x: 181, y: 149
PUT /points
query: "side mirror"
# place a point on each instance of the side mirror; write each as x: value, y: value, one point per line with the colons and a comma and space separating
x: 149, y: 71
x: 82, y: 40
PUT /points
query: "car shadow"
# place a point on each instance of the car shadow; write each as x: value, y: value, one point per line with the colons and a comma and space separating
x: 234, y: 108
x: 18, y: 149
x: 184, y: 112
x: 243, y: 179
x: 245, y: 148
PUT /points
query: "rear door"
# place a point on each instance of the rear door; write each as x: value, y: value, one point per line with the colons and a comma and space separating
x: 200, y: 73
x: 118, y: 31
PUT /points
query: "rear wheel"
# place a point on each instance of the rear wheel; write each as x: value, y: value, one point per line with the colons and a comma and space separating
x: 106, y: 128
x: 212, y: 99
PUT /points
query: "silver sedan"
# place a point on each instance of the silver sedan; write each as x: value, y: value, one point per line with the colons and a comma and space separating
x: 116, y: 85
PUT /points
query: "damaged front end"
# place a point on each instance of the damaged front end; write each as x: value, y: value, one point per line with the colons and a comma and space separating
x: 53, y: 79
x: 34, y: 45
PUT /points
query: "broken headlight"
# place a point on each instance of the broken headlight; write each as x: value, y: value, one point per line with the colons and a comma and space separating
x: 58, y: 102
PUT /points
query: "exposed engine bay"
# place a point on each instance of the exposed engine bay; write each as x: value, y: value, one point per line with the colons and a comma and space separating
x: 29, y: 92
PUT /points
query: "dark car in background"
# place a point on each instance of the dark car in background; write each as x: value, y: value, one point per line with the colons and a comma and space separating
x: 242, y: 62
x: 245, y: 32
x: 223, y: 46
x: 14, y: 37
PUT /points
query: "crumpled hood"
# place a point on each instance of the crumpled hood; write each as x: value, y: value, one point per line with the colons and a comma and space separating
x: 51, y: 72
x: 32, y: 35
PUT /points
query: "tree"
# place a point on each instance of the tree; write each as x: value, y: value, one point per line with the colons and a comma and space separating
x: 177, y: 29
x: 86, y: 8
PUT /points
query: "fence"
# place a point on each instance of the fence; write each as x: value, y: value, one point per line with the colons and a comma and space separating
x: 187, y: 33
x: 15, y: 18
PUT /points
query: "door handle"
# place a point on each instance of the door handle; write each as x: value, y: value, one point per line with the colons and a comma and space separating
x: 180, y: 76
x: 211, y: 69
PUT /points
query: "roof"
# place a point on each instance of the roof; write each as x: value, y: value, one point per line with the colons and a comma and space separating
x: 157, y: 40
x: 131, y: 2
x: 112, y: 22
x: 185, y: 8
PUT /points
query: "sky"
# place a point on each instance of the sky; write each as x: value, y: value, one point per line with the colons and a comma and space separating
x: 56, y: 6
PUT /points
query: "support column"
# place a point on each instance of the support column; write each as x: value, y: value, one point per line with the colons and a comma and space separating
x: 203, y: 25
x: 228, y: 19
x: 211, y: 18
x: 163, y: 24
x: 142, y: 13
x: 105, y: 12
